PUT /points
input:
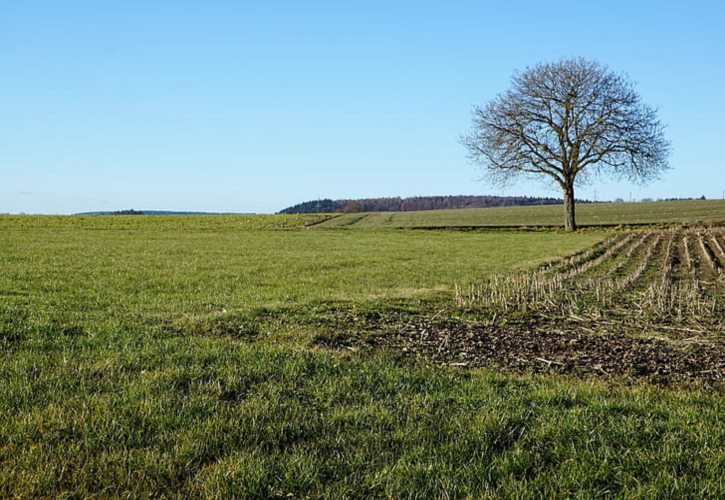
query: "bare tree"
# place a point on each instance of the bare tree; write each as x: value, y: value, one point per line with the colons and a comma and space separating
x: 568, y: 120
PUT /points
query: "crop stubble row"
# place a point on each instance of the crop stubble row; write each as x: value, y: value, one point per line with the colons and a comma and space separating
x: 673, y: 274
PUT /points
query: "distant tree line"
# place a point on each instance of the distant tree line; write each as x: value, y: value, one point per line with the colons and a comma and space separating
x: 397, y: 204
x: 130, y: 211
x: 649, y: 200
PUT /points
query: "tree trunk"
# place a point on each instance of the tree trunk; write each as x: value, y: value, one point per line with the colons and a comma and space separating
x: 569, y: 217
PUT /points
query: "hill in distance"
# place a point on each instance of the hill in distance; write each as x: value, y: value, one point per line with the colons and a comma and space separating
x: 397, y: 204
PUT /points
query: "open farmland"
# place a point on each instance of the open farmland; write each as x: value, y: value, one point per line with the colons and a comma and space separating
x: 588, y: 214
x: 130, y: 269
x: 648, y: 304
x: 164, y: 356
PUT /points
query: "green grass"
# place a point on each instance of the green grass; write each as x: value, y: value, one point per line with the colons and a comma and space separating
x: 159, y: 222
x: 158, y: 356
x: 131, y: 273
x: 150, y: 415
x: 543, y: 215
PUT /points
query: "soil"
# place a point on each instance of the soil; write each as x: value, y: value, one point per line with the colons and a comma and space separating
x: 533, y: 350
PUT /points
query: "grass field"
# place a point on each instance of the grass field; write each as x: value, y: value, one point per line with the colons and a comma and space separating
x: 142, y: 273
x: 159, y: 222
x: 182, y: 356
x: 543, y: 215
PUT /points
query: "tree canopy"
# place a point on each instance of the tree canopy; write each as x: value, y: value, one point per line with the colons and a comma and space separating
x: 567, y: 120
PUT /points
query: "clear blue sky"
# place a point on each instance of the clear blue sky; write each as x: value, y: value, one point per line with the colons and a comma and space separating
x: 253, y: 106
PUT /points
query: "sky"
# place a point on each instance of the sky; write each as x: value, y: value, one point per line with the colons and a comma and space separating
x: 246, y: 106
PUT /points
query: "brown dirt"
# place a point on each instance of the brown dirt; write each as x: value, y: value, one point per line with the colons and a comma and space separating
x: 536, y: 351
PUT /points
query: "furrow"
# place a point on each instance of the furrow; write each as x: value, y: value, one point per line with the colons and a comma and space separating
x: 567, y: 264
x: 601, y: 258
x: 709, y: 255
x: 634, y: 276
x: 627, y: 258
x: 718, y: 248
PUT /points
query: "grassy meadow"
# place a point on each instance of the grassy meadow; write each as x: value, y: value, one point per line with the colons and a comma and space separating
x: 176, y: 356
x: 131, y: 274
